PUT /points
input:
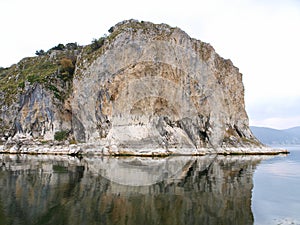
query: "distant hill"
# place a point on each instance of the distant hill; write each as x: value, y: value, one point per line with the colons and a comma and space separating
x: 271, y: 136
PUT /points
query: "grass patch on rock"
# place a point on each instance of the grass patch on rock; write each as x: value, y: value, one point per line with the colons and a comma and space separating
x: 61, y: 135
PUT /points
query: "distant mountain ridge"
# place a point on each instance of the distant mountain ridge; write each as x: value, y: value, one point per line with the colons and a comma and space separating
x: 272, y: 136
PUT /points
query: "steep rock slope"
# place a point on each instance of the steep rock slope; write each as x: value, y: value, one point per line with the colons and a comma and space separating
x: 35, y: 95
x: 144, y: 89
x: 152, y: 86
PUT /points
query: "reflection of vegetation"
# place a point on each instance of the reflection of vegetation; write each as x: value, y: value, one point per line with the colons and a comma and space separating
x: 3, y: 217
x: 217, y: 190
x: 51, y: 216
x: 59, y: 169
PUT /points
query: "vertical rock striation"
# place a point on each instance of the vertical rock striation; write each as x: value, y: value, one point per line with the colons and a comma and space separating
x: 152, y: 86
x: 35, y: 97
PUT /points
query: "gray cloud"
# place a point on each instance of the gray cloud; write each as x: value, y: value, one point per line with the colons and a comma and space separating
x: 275, y: 112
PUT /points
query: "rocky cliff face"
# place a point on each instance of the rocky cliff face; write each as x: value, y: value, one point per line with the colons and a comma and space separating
x: 143, y: 87
x: 34, y: 96
x: 154, y: 86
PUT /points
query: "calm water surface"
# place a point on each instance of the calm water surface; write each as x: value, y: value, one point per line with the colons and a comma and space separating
x: 174, y: 190
x: 276, y: 192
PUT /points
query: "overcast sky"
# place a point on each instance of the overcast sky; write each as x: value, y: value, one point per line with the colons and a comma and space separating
x: 261, y: 37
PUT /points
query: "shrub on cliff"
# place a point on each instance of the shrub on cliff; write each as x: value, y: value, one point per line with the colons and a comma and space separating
x: 40, y: 52
x: 59, y: 47
x: 67, y: 66
x: 61, y: 135
x: 72, y: 46
x: 97, y: 43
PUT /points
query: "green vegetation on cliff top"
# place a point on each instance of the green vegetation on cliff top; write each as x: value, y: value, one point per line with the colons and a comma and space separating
x: 57, y: 65
x: 47, y: 69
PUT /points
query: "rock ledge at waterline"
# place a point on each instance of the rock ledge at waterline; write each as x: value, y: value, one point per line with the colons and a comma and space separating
x: 101, y: 149
x: 146, y: 89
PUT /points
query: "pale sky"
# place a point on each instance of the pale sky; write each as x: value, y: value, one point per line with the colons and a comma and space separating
x: 261, y: 37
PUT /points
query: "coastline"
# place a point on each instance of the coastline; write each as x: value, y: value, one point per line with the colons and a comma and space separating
x: 98, y: 149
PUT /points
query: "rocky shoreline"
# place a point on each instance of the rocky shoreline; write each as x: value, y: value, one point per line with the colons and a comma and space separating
x: 104, y: 149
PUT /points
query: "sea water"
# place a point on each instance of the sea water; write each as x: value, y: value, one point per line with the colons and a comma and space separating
x: 276, y: 192
x: 133, y: 190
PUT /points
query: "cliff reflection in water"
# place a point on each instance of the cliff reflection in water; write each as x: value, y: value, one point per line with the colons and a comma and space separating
x: 175, y: 190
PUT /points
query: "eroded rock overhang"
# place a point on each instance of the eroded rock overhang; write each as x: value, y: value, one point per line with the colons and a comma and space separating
x: 152, y: 86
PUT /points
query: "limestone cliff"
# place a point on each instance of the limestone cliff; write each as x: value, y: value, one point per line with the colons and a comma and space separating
x: 143, y: 88
x: 34, y: 96
x: 152, y: 86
